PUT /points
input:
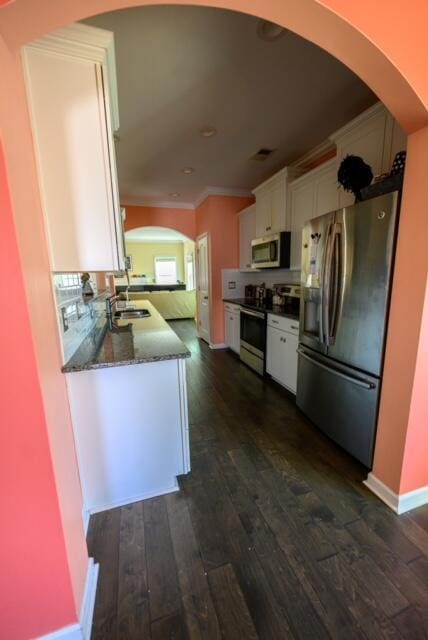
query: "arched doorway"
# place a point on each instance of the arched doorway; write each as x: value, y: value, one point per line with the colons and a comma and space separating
x: 388, y: 59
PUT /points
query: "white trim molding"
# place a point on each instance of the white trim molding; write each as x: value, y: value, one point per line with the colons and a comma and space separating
x: 219, y: 345
x: 114, y: 504
x: 129, y: 201
x: 400, y: 503
x: 222, y: 191
x: 81, y: 630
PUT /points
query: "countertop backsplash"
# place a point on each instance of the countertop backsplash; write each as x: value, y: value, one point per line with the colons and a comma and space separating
x: 234, y: 281
x: 76, y: 316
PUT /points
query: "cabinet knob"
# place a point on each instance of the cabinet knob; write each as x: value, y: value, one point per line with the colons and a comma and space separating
x: 293, y: 327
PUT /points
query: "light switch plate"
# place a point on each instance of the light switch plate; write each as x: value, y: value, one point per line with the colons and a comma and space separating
x: 231, y: 284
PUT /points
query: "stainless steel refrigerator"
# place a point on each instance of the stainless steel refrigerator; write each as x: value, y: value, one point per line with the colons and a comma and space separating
x: 347, y: 261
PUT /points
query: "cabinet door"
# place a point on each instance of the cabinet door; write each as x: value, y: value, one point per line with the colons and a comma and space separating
x: 326, y: 192
x: 278, y: 207
x: 366, y: 141
x: 263, y: 215
x: 75, y: 165
x: 301, y: 210
x: 275, y: 353
x: 228, y: 328
x: 289, y: 375
x: 236, y: 342
x: 247, y: 232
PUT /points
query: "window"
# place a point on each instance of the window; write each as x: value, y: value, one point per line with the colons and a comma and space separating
x: 166, y: 270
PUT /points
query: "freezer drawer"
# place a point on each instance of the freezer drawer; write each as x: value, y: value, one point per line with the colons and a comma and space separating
x: 341, y: 401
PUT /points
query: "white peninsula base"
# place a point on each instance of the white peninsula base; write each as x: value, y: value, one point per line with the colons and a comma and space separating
x: 131, y: 431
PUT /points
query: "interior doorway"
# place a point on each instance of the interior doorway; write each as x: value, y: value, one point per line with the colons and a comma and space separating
x: 203, y: 287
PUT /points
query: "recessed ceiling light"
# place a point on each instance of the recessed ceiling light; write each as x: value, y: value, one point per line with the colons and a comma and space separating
x: 208, y: 132
x: 269, y: 30
x: 188, y: 170
x: 174, y: 194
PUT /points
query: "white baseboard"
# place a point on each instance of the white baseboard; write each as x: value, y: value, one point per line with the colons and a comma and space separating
x: 219, y: 345
x: 142, y: 496
x: 82, y: 630
x: 87, y: 609
x: 398, y: 503
x: 85, y: 517
x: 71, y: 632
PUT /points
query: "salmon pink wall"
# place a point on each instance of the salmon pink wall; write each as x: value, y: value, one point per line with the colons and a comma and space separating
x: 18, y: 146
x: 415, y: 462
x: 182, y: 220
x: 35, y: 588
x: 405, y: 329
x: 217, y: 216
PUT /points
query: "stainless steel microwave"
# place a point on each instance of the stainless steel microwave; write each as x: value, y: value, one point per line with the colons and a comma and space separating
x: 271, y: 251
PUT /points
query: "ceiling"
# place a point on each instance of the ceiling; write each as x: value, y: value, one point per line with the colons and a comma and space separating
x: 154, y: 234
x: 181, y: 69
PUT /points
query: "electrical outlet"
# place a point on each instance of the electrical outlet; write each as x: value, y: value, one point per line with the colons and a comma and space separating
x: 231, y: 284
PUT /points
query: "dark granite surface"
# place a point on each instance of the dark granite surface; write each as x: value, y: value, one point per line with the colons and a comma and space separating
x: 252, y: 303
x: 147, y: 339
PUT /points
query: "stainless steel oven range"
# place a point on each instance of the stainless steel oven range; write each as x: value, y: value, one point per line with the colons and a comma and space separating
x: 253, y: 339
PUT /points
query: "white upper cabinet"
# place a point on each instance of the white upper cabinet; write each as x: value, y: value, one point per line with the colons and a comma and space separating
x: 247, y: 232
x: 311, y: 195
x: 69, y: 76
x: 375, y: 137
x: 271, y: 203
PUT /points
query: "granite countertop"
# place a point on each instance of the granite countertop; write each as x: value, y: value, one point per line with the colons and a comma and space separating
x: 147, y: 339
x: 253, y: 303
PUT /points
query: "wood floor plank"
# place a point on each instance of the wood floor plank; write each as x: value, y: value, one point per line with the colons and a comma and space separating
x: 199, y: 612
x: 419, y: 567
x: 164, y: 594
x: 232, y: 611
x: 133, y: 598
x: 103, y: 546
x: 168, y: 628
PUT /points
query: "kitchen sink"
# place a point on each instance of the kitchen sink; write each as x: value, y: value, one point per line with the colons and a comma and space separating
x: 129, y: 314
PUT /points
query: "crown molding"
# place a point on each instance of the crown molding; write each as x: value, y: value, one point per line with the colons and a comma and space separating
x: 208, y: 191
x: 135, y: 202
x: 315, y: 153
x: 222, y: 191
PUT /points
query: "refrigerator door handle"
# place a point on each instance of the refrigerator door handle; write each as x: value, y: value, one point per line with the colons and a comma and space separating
x: 358, y: 381
x: 337, y: 268
x: 326, y: 285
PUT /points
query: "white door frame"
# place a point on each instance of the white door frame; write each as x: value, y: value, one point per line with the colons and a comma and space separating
x: 197, y: 239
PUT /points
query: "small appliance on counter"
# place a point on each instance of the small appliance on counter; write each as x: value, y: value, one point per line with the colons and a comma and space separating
x: 250, y: 291
x: 287, y: 296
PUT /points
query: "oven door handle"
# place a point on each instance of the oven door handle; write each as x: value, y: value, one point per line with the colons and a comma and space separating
x: 256, y: 314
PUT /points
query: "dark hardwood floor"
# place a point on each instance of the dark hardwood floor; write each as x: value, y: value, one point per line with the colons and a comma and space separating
x: 272, y: 534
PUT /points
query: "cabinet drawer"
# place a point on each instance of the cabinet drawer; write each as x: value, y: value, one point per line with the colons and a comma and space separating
x: 232, y: 308
x: 284, y: 324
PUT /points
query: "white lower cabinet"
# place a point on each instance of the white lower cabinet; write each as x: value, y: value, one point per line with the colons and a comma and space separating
x: 281, y: 356
x: 232, y: 326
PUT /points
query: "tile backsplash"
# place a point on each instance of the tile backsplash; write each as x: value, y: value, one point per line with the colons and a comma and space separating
x: 235, y: 281
x: 76, y: 316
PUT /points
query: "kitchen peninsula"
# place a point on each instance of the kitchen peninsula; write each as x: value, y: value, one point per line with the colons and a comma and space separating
x: 128, y: 400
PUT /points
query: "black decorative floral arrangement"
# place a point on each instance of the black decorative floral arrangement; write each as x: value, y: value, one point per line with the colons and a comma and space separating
x: 354, y: 174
